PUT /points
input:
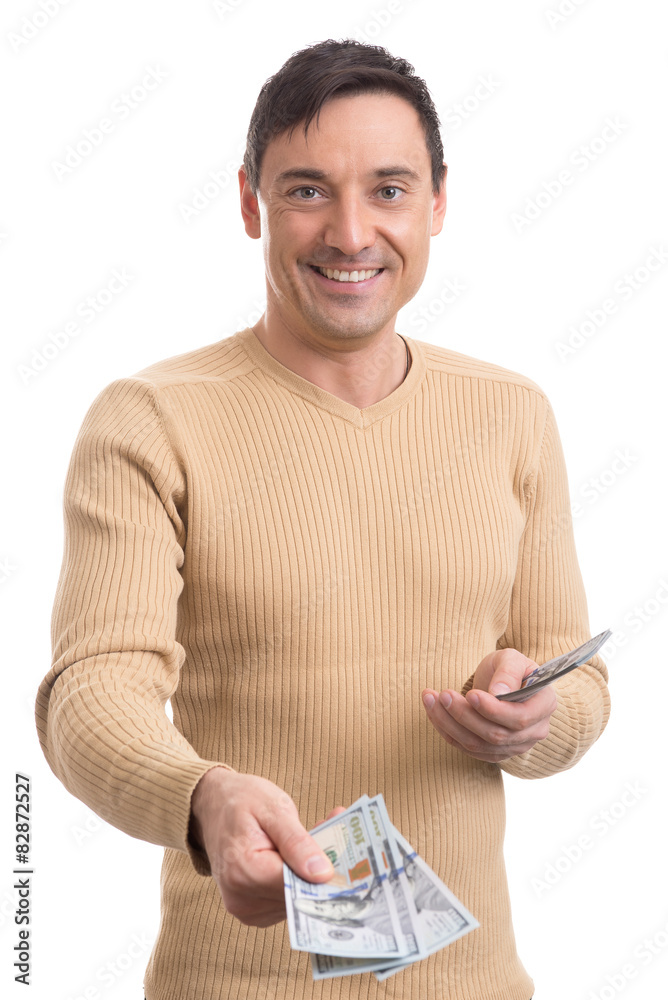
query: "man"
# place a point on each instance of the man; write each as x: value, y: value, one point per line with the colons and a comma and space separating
x: 330, y: 546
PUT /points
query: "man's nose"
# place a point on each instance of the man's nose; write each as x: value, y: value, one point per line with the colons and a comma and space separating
x: 349, y: 225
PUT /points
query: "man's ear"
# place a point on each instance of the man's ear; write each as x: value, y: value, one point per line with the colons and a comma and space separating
x: 440, y: 202
x: 250, y: 210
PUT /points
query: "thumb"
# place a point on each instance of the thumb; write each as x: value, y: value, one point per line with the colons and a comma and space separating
x: 509, y: 674
x: 300, y: 851
x: 335, y: 812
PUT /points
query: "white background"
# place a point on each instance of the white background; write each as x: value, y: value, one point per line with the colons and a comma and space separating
x: 552, y: 83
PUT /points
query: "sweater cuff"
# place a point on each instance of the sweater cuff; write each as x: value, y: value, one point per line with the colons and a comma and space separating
x: 581, y: 715
x: 583, y: 709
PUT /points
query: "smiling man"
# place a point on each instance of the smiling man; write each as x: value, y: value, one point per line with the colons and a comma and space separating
x: 346, y: 212
x: 330, y: 546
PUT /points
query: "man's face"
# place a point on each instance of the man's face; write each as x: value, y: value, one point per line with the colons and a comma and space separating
x: 356, y: 195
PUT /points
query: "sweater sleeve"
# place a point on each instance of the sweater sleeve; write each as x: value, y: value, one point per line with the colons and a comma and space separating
x: 100, y: 711
x: 548, y: 615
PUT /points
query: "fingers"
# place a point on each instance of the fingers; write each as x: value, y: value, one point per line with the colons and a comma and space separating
x: 253, y: 904
x: 335, y: 812
x: 249, y: 826
x: 295, y: 845
x: 515, y: 716
x: 511, y: 667
x: 504, y: 732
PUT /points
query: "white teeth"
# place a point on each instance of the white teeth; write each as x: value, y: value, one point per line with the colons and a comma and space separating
x: 348, y: 275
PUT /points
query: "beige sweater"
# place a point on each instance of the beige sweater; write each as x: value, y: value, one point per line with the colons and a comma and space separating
x: 292, y: 571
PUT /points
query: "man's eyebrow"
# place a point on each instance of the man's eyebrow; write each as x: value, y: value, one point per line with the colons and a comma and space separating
x: 298, y: 173
x: 314, y: 174
x: 406, y: 172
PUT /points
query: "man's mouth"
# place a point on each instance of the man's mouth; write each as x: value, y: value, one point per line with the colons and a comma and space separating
x: 336, y: 275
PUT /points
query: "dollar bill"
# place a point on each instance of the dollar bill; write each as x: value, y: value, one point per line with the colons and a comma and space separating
x: 383, y: 910
x: 353, y: 915
x: 553, y: 669
x: 382, y: 831
x: 442, y: 918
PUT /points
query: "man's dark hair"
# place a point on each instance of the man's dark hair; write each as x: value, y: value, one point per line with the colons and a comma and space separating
x: 314, y: 75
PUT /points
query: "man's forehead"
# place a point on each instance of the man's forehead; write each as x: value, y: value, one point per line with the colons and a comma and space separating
x: 377, y: 131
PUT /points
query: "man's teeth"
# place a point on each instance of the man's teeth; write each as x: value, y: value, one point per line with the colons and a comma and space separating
x: 348, y: 275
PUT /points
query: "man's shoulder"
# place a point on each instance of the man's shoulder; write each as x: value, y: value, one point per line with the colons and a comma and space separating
x: 442, y: 359
x: 118, y: 403
x: 217, y: 361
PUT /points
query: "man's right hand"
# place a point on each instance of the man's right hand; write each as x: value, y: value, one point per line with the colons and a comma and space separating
x: 248, y: 827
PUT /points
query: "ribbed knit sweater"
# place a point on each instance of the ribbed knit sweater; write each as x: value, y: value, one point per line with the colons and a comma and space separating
x: 291, y: 571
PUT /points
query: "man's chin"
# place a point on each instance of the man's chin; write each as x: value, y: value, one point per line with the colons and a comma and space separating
x: 343, y: 329
x: 350, y: 320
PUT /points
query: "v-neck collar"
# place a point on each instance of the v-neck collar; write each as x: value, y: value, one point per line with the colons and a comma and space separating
x: 327, y: 400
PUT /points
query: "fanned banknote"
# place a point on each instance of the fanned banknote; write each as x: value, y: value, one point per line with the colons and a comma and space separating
x: 553, y: 669
x: 382, y: 831
x: 442, y: 918
x: 352, y: 915
x: 383, y: 910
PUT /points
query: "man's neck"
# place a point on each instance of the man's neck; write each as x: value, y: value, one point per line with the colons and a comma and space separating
x: 359, y: 374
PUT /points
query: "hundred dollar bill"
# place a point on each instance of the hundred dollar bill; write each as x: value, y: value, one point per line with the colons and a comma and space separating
x: 401, y: 899
x: 352, y: 914
x: 442, y: 918
x: 553, y: 669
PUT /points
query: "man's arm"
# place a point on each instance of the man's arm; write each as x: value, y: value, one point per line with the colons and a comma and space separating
x: 552, y: 730
x: 100, y: 710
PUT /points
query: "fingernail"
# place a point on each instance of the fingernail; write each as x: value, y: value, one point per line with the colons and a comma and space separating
x: 318, y: 865
x: 473, y: 700
x: 445, y: 700
x: 429, y: 701
x: 499, y: 689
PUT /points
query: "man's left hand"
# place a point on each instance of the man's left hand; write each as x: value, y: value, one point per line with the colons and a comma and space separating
x: 481, y: 725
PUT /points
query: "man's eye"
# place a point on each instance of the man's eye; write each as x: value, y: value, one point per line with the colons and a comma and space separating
x: 308, y: 193
x: 394, y: 192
